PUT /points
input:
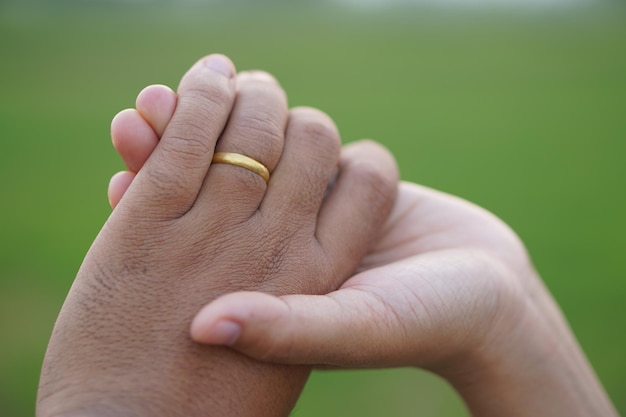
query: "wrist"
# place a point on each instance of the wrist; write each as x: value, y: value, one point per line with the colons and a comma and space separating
x: 531, y: 365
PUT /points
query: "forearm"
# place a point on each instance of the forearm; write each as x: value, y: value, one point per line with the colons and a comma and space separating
x: 539, y: 371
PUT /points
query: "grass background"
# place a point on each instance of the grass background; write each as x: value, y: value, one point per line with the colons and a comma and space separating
x: 523, y: 113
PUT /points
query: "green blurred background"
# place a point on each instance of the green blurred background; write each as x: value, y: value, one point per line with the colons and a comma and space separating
x: 519, y: 109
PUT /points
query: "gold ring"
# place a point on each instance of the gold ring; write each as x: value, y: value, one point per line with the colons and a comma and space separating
x: 242, y: 161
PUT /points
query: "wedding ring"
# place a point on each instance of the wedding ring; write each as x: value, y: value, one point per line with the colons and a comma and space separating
x: 242, y: 161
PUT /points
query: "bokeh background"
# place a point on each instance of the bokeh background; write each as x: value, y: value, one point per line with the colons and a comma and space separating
x: 517, y: 106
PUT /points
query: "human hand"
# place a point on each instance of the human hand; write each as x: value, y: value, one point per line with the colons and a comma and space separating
x: 188, y: 230
x: 439, y: 258
x: 445, y: 281
x: 447, y: 287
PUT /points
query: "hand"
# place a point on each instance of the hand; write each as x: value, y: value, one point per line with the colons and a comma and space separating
x: 445, y: 281
x: 447, y: 287
x: 189, y: 230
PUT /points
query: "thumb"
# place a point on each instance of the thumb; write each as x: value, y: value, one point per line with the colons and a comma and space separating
x: 346, y: 328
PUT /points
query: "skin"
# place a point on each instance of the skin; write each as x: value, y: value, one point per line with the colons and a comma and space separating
x: 188, y: 231
x: 448, y: 287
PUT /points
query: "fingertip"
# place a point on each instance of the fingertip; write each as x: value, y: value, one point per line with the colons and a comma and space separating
x: 120, y: 122
x: 220, y: 332
x: 219, y: 322
x: 236, y: 318
x: 154, y: 92
x: 202, y: 323
x: 133, y: 138
x: 291, y: 329
x: 156, y: 104
x: 118, y: 185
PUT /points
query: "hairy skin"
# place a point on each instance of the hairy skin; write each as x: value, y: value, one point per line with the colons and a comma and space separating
x: 188, y: 231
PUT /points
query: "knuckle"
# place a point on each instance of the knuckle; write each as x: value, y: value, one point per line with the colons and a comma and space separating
x: 265, y: 131
x: 372, y: 145
x: 192, y: 130
x: 172, y: 188
x: 218, y: 96
x: 322, y: 133
x: 306, y: 112
x: 256, y: 76
x: 317, y: 127
x: 373, y: 178
x: 189, y: 142
x: 209, y: 98
x: 314, y: 117
x: 196, y: 84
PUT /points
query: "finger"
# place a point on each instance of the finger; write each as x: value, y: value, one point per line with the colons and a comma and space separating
x: 174, y: 173
x: 133, y: 138
x: 422, y: 311
x: 156, y: 104
x: 118, y: 185
x: 357, y: 205
x: 339, y: 329
x: 309, y: 159
x: 256, y: 129
x: 135, y: 134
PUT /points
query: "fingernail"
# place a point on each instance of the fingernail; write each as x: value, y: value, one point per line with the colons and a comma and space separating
x: 220, y: 64
x: 224, y: 332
